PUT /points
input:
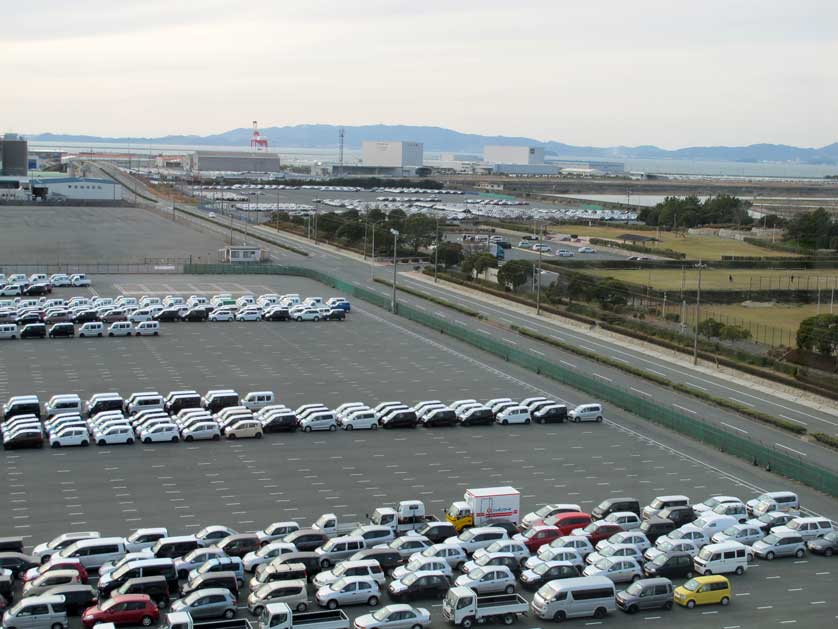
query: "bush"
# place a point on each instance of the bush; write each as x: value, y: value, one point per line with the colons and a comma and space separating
x: 826, y: 439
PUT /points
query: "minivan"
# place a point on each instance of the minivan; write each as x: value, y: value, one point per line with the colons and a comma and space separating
x: 147, y: 328
x: 22, y: 405
x: 780, y: 544
x: 176, y: 401
x: 217, y: 400
x: 143, y: 401
x: 784, y: 501
x: 175, y: 546
x: 120, y: 328
x: 722, y: 558
x: 612, y: 505
x: 92, y: 328
x: 291, y: 592
x: 8, y: 331
x: 37, y: 612
x: 156, y: 588
x: 258, y: 399
x: 33, y: 331
x: 664, y: 502
x: 586, y: 413
x: 646, y: 594
x: 67, y: 403
x: 339, y: 548
x: 92, y: 553
x: 574, y: 598
x: 136, y: 569
x: 226, y: 580
x: 100, y: 402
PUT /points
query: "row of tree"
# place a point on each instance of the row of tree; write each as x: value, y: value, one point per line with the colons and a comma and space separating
x: 814, y: 230
x: 675, y: 212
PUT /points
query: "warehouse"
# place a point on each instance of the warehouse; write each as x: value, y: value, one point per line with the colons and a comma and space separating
x: 75, y: 189
x: 231, y: 161
x: 403, y: 155
x: 520, y: 155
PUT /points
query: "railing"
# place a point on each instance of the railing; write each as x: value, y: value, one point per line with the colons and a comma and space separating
x: 149, y: 265
x: 770, y: 458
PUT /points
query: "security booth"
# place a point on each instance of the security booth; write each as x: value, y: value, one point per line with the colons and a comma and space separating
x: 242, y: 253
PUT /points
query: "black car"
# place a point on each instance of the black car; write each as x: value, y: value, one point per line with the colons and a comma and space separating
x: 552, y: 414
x: 225, y: 579
x: 335, y: 314
x: 438, y: 532
x: 280, y: 314
x: 306, y: 539
x: 169, y: 314
x: 24, y: 438
x: 533, y: 579
x: 77, y: 596
x: 18, y: 563
x: 281, y: 422
x: 85, y: 316
x: 11, y: 544
x: 673, y: 566
x: 28, y: 317
x: 612, y: 505
x: 33, y: 331
x: 479, y: 417
x: 310, y: 559
x: 156, y: 588
x: 504, y: 559
x: 679, y: 515
x: 653, y: 528
x: 510, y: 527
x: 7, y: 593
x: 62, y: 329
x: 419, y: 585
x: 442, y: 417
x: 400, y: 419
x: 196, y: 314
x: 386, y: 557
x: 826, y: 545
x: 38, y: 289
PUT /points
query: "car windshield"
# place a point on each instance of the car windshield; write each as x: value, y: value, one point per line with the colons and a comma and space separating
x: 108, y: 604
x: 731, y: 531
x: 691, y: 585
x: 712, y: 502
x: 657, y: 503
x: 769, y: 540
x: 635, y: 589
x: 544, y: 511
x: 410, y: 579
x: 767, y: 518
x: 660, y: 560
x: 542, y: 568
x: 414, y: 565
x: 430, y: 552
x: 337, y: 586
x: 794, y: 525
x: 591, y: 527
x: 339, y: 570
x: 477, y: 573
x: 467, y: 536
x: 603, y: 564
x: 531, y: 533
x: 831, y: 537
x: 610, y: 550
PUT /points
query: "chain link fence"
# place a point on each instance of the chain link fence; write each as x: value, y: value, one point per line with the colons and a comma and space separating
x: 757, y: 453
x: 149, y: 265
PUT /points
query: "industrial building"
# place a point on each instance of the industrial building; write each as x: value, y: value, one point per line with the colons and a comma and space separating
x: 22, y: 189
x: 231, y: 161
x: 519, y: 155
x: 393, y: 154
x: 14, y: 156
x: 594, y: 167
x: 525, y: 169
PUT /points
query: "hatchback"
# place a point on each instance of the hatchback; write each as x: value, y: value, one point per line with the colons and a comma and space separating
x: 546, y: 571
x: 709, y: 590
x: 780, y: 544
x: 123, y: 609
x: 488, y: 580
x: 207, y: 603
x: 349, y: 591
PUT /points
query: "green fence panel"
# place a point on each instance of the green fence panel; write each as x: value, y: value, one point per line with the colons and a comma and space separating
x: 779, y: 462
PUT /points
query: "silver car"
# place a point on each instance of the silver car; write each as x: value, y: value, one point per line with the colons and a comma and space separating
x: 395, y: 617
x: 407, y: 545
x: 548, y: 553
x: 515, y: 547
x: 207, y: 603
x: 422, y: 564
x: 453, y: 555
x: 488, y: 580
x: 267, y: 553
x: 349, y: 591
x: 195, y: 559
x: 742, y: 533
x: 618, y: 569
x: 613, y: 552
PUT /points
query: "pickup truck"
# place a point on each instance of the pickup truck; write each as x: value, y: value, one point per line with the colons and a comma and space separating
x: 409, y: 516
x: 464, y: 608
x: 273, y: 616
x: 328, y: 523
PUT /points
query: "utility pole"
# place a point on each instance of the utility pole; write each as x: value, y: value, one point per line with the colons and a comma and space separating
x: 697, y: 315
x: 436, y: 251
x: 538, y: 291
x: 366, y: 227
x: 372, y: 254
x: 395, y: 233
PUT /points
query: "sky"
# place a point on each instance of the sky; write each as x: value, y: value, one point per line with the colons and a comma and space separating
x: 672, y: 73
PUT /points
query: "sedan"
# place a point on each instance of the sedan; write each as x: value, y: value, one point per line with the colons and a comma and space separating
x: 413, y: 586
x: 349, y: 591
x: 395, y: 617
x: 488, y: 580
x: 547, y: 571
x: 618, y: 570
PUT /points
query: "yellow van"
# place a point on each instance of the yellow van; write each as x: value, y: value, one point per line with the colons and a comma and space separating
x: 709, y: 590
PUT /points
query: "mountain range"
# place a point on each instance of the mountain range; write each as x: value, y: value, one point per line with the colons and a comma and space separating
x: 437, y: 139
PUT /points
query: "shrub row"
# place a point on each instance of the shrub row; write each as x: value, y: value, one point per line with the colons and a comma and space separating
x: 639, y: 248
x: 826, y: 439
x: 441, y: 302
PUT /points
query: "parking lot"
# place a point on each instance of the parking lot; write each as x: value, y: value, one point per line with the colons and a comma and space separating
x: 370, y: 357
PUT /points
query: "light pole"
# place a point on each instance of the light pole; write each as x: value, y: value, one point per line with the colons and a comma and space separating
x: 538, y: 293
x: 436, y: 251
x: 372, y: 254
x: 395, y: 233
x: 697, y: 315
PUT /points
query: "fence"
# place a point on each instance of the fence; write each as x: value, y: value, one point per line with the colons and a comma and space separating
x: 779, y: 462
x: 149, y: 265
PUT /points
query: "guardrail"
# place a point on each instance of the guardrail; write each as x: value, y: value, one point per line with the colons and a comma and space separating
x: 174, y: 265
x: 771, y: 459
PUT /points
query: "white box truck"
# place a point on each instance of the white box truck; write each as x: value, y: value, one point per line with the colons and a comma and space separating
x: 483, y: 506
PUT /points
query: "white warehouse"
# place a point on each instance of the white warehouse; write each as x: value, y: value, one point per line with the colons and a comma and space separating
x: 76, y: 188
x: 519, y: 155
x: 393, y: 154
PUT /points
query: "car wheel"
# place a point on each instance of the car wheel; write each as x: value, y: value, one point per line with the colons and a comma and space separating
x: 57, y: 625
x: 725, y: 601
x: 707, y: 573
x: 332, y: 604
x: 190, y: 438
x: 85, y: 443
x: 372, y: 601
x: 740, y: 570
x: 182, y: 574
x: 667, y: 605
x: 317, y: 318
x: 216, y: 437
x: 348, y: 427
x: 688, y: 575
x: 600, y: 613
x: 505, y: 422
x: 302, y: 607
x: 828, y: 552
x: 110, y: 333
x: 509, y: 589
x: 130, y: 441
x: 55, y: 445
x: 147, y: 440
x: 299, y: 318
x: 690, y: 604
x: 307, y: 429
x: 632, y: 609
x: 258, y: 435
x: 99, y: 335
x: 799, y: 553
x: 325, y: 563
x: 156, y: 333
x: 175, y: 439
x: 229, y: 613
x: 232, y: 435
x: 635, y: 577
x: 527, y: 420
x: 146, y: 621
x: 101, y: 442
x: 769, y: 556
x: 332, y: 428
x: 374, y: 427
x: 559, y: 616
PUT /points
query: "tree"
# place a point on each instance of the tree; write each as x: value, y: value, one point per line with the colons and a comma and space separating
x: 812, y: 229
x: 376, y: 216
x: 450, y: 253
x: 514, y: 273
x: 418, y: 230
x: 819, y: 333
x: 477, y: 263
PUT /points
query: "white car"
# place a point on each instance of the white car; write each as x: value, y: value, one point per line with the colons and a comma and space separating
x: 70, y: 436
x: 321, y: 420
x: 266, y: 554
x: 548, y: 553
x: 308, y: 314
x: 627, y: 519
x: 635, y: 538
x: 614, y: 551
x: 713, y: 502
x: 113, y: 435
x: 514, y: 415
x: 201, y: 430
x: 222, y: 314
x: 586, y: 250
x: 666, y: 546
x: 80, y: 279
x: 453, y: 555
x: 619, y: 569
x: 407, y: 545
x: 160, y: 432
x: 143, y: 539
x: 564, y: 253
x: 488, y: 580
x: 59, y: 279
x: 511, y: 546
x: 249, y: 314
x: 422, y: 564
x: 363, y: 419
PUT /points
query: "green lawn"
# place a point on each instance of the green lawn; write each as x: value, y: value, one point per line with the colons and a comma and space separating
x: 727, y: 279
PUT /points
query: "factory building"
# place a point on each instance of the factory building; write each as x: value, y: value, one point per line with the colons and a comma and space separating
x: 231, y: 161
x: 404, y: 155
x: 520, y: 155
x: 59, y: 189
x: 14, y: 156
x: 525, y: 169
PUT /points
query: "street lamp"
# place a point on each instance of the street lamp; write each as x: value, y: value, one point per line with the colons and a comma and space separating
x: 436, y: 251
x: 395, y: 233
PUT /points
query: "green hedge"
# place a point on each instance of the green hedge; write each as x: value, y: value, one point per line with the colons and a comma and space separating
x: 639, y: 248
x: 826, y: 439
x: 441, y: 302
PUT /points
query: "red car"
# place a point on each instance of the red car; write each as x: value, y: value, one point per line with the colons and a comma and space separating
x: 123, y: 609
x: 598, y: 531
x: 567, y: 522
x: 537, y: 536
x: 58, y: 563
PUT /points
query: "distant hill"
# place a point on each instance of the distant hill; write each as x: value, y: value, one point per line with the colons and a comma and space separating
x: 441, y: 139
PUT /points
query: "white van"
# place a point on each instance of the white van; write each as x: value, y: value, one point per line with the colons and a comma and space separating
x: 8, y: 331
x: 586, y: 413
x: 92, y: 553
x: 258, y: 399
x: 722, y: 558
x: 785, y: 501
x: 147, y: 328
x: 138, y: 316
x: 514, y: 415
x: 92, y: 328
x: 67, y: 403
x: 574, y: 598
x: 120, y: 328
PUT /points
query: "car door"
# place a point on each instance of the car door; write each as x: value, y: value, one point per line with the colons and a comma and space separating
x: 489, y: 582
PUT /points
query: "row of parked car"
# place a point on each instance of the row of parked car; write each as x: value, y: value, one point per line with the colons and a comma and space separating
x: 18, y: 284
x: 404, y: 556
x: 148, y: 417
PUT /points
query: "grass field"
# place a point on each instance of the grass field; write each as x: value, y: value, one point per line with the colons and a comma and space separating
x: 695, y: 247
x: 720, y: 279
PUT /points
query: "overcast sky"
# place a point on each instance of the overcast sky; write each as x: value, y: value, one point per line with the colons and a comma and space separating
x: 666, y: 72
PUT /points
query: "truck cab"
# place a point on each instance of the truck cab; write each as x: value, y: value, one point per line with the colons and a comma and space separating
x: 463, y: 607
x: 459, y: 514
x: 485, y: 505
x: 408, y: 516
x: 328, y: 524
